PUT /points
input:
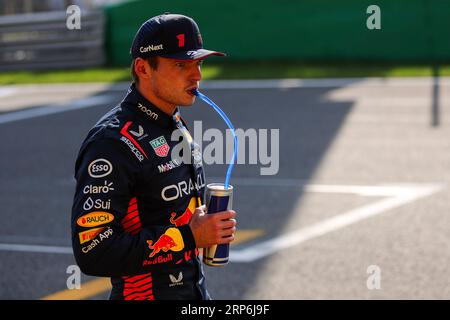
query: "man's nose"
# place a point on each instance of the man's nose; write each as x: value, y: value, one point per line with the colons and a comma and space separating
x: 196, y: 74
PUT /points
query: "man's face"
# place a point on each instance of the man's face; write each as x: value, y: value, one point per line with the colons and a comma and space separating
x: 172, y: 81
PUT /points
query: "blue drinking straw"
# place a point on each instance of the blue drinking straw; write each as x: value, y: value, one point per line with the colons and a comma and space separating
x: 230, y: 125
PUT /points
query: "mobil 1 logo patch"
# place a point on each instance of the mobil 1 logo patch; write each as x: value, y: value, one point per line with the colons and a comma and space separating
x: 100, y: 168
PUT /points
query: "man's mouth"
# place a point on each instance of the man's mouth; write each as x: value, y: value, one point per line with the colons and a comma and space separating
x: 190, y: 90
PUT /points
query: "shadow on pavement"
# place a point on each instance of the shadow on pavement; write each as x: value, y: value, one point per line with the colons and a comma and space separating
x: 37, y: 188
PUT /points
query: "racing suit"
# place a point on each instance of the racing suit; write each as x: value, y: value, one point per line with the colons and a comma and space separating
x: 133, y: 202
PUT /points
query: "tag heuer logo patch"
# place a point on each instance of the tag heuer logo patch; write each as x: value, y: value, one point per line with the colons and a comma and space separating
x: 160, y: 146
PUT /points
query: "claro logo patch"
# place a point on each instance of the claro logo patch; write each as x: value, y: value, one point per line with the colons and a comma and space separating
x: 94, y: 219
x: 100, y: 168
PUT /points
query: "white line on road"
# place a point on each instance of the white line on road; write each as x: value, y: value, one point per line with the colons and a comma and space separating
x: 208, y: 84
x: 7, y: 91
x: 35, y: 248
x: 52, y: 109
x: 398, y: 196
x: 236, y: 84
x: 380, y: 190
x: 320, y: 83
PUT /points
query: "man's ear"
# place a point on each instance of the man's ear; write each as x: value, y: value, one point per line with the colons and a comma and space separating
x: 142, y: 68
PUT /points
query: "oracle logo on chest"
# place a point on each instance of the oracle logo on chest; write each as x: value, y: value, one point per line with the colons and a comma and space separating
x: 182, y: 188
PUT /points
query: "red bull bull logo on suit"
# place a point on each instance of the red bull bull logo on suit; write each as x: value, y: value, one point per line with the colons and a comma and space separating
x: 171, y: 240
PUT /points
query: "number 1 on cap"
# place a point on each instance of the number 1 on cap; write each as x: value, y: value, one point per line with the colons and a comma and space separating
x: 180, y: 38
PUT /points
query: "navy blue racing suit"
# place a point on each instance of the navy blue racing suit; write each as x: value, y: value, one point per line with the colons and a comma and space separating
x: 133, y: 202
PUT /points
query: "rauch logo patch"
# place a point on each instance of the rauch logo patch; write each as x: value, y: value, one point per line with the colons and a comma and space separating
x: 94, y: 219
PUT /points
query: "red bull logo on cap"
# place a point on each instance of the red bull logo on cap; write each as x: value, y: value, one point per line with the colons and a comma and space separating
x: 171, y: 240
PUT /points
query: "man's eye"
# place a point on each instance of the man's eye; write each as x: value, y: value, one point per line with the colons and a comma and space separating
x: 180, y: 64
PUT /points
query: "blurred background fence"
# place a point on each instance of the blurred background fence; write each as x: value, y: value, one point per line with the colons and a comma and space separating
x: 319, y: 30
x: 42, y: 41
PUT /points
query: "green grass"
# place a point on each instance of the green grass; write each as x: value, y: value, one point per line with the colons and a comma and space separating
x: 62, y: 76
x: 236, y: 70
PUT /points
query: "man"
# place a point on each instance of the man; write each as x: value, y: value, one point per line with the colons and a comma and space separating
x: 137, y: 215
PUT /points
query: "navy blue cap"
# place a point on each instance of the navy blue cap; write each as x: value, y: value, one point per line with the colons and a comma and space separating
x: 172, y: 36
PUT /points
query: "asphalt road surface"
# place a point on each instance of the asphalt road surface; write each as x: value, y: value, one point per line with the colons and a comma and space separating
x: 358, y: 208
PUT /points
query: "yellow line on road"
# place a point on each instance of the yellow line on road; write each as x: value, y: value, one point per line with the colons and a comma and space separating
x: 100, y: 285
x: 242, y: 236
x: 87, y: 290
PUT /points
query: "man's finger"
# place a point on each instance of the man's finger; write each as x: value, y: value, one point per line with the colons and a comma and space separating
x: 224, y: 215
x: 228, y: 232
x: 226, y: 224
x: 228, y: 239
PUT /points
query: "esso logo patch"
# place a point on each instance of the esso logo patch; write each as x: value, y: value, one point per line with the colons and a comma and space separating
x: 100, y: 168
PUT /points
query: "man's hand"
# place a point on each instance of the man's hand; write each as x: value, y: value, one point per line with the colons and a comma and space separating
x: 211, y: 229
